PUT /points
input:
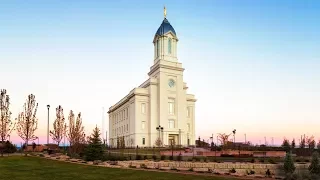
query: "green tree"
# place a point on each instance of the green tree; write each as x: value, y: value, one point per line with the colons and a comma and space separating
x: 288, y: 164
x: 286, y: 145
x: 314, y: 167
x: 94, y: 150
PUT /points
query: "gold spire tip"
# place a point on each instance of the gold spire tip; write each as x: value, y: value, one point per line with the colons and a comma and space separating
x: 164, y: 11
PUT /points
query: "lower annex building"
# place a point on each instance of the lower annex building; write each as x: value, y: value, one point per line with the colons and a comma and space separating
x: 160, y: 108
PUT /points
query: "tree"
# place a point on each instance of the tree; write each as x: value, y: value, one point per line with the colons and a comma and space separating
x: 59, y: 126
x: 34, y: 146
x: 6, y: 125
x: 158, y: 142
x: 311, y: 142
x: 293, y: 144
x: 27, y: 123
x: 288, y: 164
x: 94, y: 151
x: 314, y: 167
x: 302, y: 144
x: 224, y: 139
x: 286, y: 145
x: 318, y: 145
x: 76, y: 134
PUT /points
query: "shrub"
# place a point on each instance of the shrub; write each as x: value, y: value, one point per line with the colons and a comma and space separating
x: 179, y: 158
x: 252, y: 161
x: 288, y: 164
x: 232, y: 170
x: 145, y: 157
x: 272, y: 161
x: 154, y: 157
x: 261, y: 160
x: 314, y: 167
x: 143, y: 166
x: 171, y: 158
x: 163, y: 157
x: 191, y: 169
x: 138, y: 157
x: 268, y: 173
x: 41, y: 155
x: 205, y: 159
x: 173, y: 168
x: 250, y: 172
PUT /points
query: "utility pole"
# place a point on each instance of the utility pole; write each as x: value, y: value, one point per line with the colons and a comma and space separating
x: 245, y: 138
x: 265, y: 141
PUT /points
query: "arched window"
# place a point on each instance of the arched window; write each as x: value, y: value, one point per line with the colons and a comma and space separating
x: 169, y: 46
x: 158, y: 48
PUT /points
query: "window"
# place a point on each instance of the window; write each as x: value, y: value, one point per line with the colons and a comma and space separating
x: 143, y: 124
x: 171, y: 106
x: 143, y: 108
x: 127, y: 127
x: 157, y: 46
x: 188, y: 125
x: 127, y: 112
x: 143, y: 141
x: 188, y: 111
x: 169, y: 46
x: 171, y: 124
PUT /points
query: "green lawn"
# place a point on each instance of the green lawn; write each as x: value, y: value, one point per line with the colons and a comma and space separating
x: 34, y: 168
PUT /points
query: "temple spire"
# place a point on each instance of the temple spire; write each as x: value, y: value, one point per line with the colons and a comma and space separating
x: 165, y: 12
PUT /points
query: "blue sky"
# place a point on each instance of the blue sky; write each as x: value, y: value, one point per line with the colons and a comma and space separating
x: 253, y: 65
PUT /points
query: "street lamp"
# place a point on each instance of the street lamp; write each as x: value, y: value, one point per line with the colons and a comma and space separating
x: 234, y: 138
x: 160, y: 129
x: 48, y: 106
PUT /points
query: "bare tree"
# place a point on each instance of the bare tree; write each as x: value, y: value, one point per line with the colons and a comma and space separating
x: 59, y: 126
x: 6, y: 125
x: 76, y: 134
x: 27, y: 123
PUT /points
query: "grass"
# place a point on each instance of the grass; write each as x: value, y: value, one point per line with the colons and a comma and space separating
x: 34, y: 168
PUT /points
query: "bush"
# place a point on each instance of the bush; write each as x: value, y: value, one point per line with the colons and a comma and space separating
x: 41, y: 155
x: 261, y: 160
x: 179, y: 158
x: 232, y: 170
x: 163, y: 157
x: 145, y: 157
x: 272, y: 161
x: 252, y: 161
x: 138, y: 157
x: 250, y: 172
x: 143, y: 166
x: 191, y: 169
x: 171, y: 158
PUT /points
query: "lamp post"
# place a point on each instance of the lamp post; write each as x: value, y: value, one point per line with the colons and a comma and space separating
x: 48, y: 106
x: 234, y: 138
x: 160, y: 129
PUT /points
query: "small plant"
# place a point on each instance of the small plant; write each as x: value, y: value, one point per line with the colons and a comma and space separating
x: 163, y: 157
x: 145, y: 157
x: 252, y: 161
x: 289, y: 167
x: 154, y: 157
x: 179, y: 158
x: 268, y: 173
x: 143, y: 166
x: 191, y: 169
x: 41, y: 155
x: 250, y: 172
x: 261, y: 160
x: 232, y: 170
x: 131, y: 166
x: 205, y: 159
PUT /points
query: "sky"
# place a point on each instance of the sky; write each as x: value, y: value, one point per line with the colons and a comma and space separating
x: 253, y: 65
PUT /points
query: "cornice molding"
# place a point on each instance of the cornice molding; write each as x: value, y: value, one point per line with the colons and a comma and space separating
x: 158, y: 66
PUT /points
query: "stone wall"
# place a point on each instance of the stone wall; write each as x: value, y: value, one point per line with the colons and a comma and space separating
x: 242, y: 168
x: 229, y: 152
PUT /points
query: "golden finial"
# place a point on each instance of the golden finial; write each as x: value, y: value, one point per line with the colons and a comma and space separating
x: 165, y: 12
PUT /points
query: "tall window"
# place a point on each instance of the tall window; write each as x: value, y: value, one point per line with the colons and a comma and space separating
x: 171, y: 106
x: 127, y: 112
x: 143, y: 108
x: 171, y: 123
x: 188, y: 126
x: 143, y: 124
x: 188, y: 111
x: 143, y: 141
x: 157, y: 46
x: 169, y: 46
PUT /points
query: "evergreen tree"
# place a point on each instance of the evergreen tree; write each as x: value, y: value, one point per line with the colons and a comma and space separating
x: 94, y: 151
x: 314, y: 167
x: 289, y: 164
